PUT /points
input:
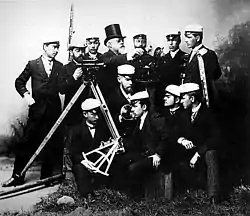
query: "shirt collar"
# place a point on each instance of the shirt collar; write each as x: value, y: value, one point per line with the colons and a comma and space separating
x: 46, y: 58
x: 174, y: 53
x: 91, y: 126
x: 143, y: 117
x: 196, y: 109
x: 174, y: 109
x: 197, y: 48
x: 92, y: 56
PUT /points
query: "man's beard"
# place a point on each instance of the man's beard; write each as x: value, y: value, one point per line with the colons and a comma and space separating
x: 122, y: 50
x: 78, y: 59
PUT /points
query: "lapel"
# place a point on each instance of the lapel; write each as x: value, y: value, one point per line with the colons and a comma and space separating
x: 41, y: 68
x: 86, y: 135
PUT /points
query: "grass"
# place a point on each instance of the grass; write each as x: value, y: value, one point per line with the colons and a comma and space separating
x: 115, y: 203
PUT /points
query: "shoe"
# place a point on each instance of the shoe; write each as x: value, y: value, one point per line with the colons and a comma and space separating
x: 13, y: 181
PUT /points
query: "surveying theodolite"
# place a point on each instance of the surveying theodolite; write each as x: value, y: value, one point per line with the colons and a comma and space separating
x: 107, y: 150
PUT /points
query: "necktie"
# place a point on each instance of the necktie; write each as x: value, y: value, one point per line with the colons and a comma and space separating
x: 50, y: 68
x: 193, y: 115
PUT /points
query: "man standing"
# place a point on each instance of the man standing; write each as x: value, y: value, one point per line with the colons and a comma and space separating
x: 114, y: 57
x: 122, y: 93
x: 70, y: 80
x: 44, y: 109
x: 142, y: 63
x: 171, y: 65
x: 93, y: 44
x: 87, y: 136
x: 200, y: 136
x: 203, y: 66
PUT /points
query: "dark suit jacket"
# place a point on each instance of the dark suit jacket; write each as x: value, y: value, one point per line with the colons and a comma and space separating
x: 68, y: 86
x: 212, y: 70
x: 82, y: 141
x: 153, y: 138
x: 108, y: 78
x: 170, y: 69
x: 44, y: 89
x: 203, y: 132
x: 115, y: 101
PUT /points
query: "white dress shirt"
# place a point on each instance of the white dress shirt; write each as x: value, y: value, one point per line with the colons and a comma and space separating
x: 174, y: 53
x: 48, y: 64
x: 142, y: 120
x: 91, y: 129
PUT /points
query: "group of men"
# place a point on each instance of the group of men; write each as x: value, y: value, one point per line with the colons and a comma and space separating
x: 162, y: 106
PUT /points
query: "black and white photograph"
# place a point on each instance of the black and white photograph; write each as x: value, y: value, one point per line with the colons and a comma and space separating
x: 125, y: 108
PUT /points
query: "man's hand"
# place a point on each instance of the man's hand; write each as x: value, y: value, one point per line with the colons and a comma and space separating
x: 134, y: 53
x: 186, y: 143
x: 156, y: 160
x: 78, y: 73
x: 29, y: 100
x: 194, y: 159
x: 84, y: 163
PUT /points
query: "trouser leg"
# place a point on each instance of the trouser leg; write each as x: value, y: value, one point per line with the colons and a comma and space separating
x: 211, y: 161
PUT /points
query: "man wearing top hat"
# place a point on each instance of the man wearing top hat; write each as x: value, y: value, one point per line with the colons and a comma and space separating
x: 44, y: 109
x: 87, y: 136
x: 93, y: 44
x: 171, y: 65
x: 70, y: 80
x: 199, y: 136
x: 115, y: 56
x: 203, y: 66
x: 146, y: 145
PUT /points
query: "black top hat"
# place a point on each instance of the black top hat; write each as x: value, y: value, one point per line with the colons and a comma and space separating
x: 113, y: 31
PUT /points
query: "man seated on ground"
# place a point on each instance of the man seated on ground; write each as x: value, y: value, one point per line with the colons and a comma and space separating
x: 87, y: 136
x: 146, y: 145
x: 199, y: 136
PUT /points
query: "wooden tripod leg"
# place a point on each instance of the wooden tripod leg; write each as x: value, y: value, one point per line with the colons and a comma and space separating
x: 53, y: 129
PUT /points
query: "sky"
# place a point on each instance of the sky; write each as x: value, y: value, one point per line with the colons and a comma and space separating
x: 25, y: 24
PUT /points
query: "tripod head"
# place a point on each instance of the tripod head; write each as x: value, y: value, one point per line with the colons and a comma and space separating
x: 90, y: 69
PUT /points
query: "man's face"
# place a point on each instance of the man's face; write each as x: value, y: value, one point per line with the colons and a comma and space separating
x: 117, y: 45
x: 173, y: 43
x: 51, y: 50
x: 77, y: 54
x: 186, y: 101
x: 191, y: 40
x: 93, y: 45
x: 126, y: 83
x: 137, y: 109
x: 91, y: 116
x: 140, y: 43
x: 169, y: 100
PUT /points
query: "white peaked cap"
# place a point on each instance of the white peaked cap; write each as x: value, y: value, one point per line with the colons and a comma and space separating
x: 194, y: 28
x: 126, y: 69
x: 139, y: 95
x: 77, y: 41
x: 173, y: 89
x: 90, y: 104
x: 189, y: 87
